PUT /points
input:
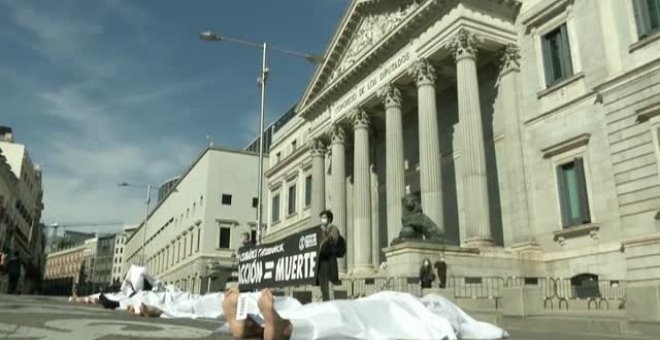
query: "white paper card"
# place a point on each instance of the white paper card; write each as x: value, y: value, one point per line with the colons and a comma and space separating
x: 242, y: 307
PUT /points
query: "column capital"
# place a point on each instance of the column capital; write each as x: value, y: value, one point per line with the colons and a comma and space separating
x: 316, y: 147
x: 464, y: 44
x: 390, y: 95
x: 337, y: 134
x: 423, y: 72
x: 510, y: 59
x: 360, y: 119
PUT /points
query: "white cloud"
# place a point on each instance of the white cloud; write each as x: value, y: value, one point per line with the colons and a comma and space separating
x: 96, y: 143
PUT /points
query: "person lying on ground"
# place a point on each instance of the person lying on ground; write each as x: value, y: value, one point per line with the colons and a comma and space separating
x: 137, y: 279
x: 168, y: 303
x: 384, y: 315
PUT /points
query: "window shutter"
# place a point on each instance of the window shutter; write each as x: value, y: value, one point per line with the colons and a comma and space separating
x: 566, y: 64
x: 563, y: 206
x: 584, y: 196
x: 547, y: 61
x: 642, y: 17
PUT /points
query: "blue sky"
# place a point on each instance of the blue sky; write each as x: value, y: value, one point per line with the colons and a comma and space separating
x: 106, y: 91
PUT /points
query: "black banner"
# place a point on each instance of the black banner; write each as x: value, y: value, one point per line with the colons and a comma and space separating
x: 287, y: 262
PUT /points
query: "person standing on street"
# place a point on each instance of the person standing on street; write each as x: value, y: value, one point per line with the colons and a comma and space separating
x: 3, y: 262
x: 246, y: 240
x: 14, y: 272
x: 326, y: 269
x: 426, y: 275
x: 441, y: 272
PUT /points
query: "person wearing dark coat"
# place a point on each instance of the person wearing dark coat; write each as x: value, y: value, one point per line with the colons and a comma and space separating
x: 246, y: 240
x: 326, y: 268
x: 426, y: 275
x: 441, y: 272
x: 13, y: 268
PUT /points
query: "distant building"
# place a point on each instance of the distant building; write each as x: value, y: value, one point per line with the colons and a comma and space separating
x: 71, y: 239
x: 118, y: 264
x: 105, y: 251
x: 198, y: 225
x: 269, y: 131
x: 63, y: 269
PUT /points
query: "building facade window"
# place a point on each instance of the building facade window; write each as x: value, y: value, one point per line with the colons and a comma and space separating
x: 198, y: 237
x: 573, y: 196
x: 308, y: 191
x: 226, y: 199
x: 192, y: 238
x: 255, y: 202
x: 647, y: 17
x: 556, y: 55
x: 253, y: 235
x: 294, y: 146
x: 275, y: 215
x: 292, y: 200
x: 225, y: 235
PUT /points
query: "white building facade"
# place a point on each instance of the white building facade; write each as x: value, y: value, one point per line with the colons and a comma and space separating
x: 193, y: 233
x: 527, y: 129
x: 21, y: 205
x: 119, y: 268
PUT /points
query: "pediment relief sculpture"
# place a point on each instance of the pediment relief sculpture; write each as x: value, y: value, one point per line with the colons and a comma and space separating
x: 373, y: 28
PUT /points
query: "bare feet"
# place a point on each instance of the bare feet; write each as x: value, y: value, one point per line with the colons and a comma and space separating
x: 131, y: 311
x: 239, y: 328
x: 275, y: 327
x: 150, y: 311
x: 79, y: 300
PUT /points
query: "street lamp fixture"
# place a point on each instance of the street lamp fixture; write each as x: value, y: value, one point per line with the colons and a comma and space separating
x: 261, y: 82
x: 146, y: 216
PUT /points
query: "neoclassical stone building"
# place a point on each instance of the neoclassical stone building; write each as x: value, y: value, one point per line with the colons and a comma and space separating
x: 528, y: 129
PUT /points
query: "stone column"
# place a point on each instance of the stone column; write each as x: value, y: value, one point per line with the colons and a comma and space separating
x: 338, y: 180
x: 429, y: 143
x: 513, y: 194
x: 317, y: 150
x: 350, y: 231
x: 361, y: 195
x: 394, y: 174
x: 475, y: 188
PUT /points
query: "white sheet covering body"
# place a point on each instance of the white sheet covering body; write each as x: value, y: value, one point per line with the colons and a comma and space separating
x: 384, y: 315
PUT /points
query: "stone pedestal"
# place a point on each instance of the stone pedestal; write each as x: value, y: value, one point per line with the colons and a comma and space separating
x: 405, y: 259
x: 643, y: 303
x: 521, y: 301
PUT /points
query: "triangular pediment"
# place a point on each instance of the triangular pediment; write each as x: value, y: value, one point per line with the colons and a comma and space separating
x: 364, y: 25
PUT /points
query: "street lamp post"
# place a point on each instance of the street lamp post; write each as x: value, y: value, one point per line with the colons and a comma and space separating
x: 261, y: 82
x: 146, y: 217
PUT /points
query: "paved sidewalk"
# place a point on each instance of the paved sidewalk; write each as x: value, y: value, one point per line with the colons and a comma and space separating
x: 40, y: 317
x: 43, y: 317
